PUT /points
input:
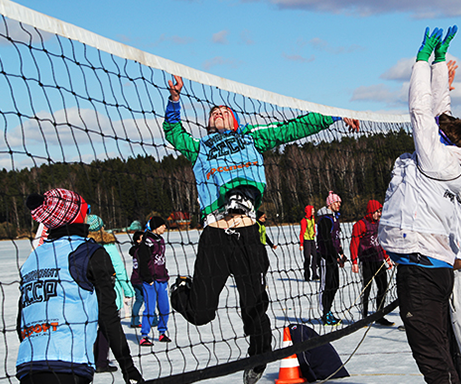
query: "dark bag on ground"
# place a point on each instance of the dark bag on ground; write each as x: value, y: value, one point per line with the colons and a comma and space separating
x: 317, y: 363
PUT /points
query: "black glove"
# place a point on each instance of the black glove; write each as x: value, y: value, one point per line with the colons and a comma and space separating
x: 132, y: 374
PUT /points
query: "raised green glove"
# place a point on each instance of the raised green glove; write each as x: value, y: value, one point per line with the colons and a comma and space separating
x: 429, y: 44
x: 442, y: 47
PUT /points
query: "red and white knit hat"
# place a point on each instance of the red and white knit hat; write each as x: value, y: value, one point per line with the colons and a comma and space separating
x: 332, y: 198
x: 57, y: 207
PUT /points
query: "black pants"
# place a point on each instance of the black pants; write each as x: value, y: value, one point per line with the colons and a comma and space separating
x: 310, y: 259
x: 329, y: 282
x: 101, y: 350
x: 369, y: 270
x: 238, y: 252
x: 53, y: 378
x: 423, y: 298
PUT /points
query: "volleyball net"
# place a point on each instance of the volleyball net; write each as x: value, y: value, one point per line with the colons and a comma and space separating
x: 81, y: 112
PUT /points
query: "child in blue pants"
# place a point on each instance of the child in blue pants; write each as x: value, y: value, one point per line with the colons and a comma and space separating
x: 154, y: 275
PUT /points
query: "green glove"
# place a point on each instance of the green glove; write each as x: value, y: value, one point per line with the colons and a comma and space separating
x: 429, y: 44
x: 442, y: 47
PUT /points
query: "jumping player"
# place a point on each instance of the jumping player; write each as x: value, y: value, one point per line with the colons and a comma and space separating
x: 419, y: 225
x: 229, y: 171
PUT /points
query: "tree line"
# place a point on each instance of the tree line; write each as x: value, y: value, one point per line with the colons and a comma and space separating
x: 121, y: 191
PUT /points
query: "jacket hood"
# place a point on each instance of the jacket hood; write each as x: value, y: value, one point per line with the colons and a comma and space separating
x: 308, y: 211
x: 327, y: 211
x: 372, y: 207
x: 324, y: 211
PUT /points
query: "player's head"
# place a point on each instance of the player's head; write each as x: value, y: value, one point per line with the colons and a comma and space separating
x: 374, y: 210
x: 137, y: 237
x: 450, y: 130
x: 261, y: 216
x: 156, y: 224
x: 333, y: 202
x: 95, y: 223
x: 222, y: 119
x: 57, y: 207
x: 309, y: 211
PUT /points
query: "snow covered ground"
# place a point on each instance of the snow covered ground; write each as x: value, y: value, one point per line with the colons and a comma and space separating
x: 373, y: 355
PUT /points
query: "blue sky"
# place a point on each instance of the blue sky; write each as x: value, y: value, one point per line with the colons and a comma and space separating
x: 354, y: 54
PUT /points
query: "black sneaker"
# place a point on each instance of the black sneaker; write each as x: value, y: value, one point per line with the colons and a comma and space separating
x: 107, y: 368
x: 329, y: 319
x: 251, y: 377
x: 384, y: 322
x: 181, y: 281
x: 164, y: 338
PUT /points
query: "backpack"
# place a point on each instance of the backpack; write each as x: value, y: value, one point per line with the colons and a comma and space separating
x: 317, y: 363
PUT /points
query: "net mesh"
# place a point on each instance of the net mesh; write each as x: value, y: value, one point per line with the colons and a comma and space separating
x: 84, y: 119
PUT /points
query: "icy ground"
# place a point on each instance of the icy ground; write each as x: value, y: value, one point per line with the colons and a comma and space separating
x: 382, y: 356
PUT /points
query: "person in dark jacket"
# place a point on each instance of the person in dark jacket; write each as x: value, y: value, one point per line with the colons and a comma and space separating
x: 154, y: 275
x: 332, y: 255
x: 67, y: 288
x: 136, y: 281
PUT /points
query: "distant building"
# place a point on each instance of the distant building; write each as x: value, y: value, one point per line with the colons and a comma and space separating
x: 179, y: 220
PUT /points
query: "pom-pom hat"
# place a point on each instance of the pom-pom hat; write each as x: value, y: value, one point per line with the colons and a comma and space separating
x: 332, y: 198
x: 95, y: 223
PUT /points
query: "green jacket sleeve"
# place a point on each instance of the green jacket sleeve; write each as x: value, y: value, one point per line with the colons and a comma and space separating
x: 272, y: 135
x: 121, y: 275
x: 176, y: 135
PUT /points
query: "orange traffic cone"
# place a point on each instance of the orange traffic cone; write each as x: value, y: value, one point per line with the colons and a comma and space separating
x: 290, y: 372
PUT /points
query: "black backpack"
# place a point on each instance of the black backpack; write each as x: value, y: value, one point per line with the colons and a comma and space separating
x: 317, y: 363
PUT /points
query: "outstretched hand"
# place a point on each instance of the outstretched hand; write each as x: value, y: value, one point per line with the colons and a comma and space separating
x: 175, y: 89
x: 429, y: 43
x: 442, y: 47
x: 353, y: 124
x: 452, y: 67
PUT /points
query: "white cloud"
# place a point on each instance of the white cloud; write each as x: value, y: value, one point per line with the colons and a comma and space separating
x: 323, y: 45
x: 420, y: 9
x: 219, y: 60
x: 174, y: 39
x: 397, y: 94
x: 220, y: 37
x: 400, y: 71
x: 66, y: 129
x: 382, y: 93
x: 299, y: 58
x: 245, y: 37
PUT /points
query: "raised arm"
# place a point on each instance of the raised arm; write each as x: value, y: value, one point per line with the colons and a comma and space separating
x: 272, y: 135
x: 175, y: 133
x: 175, y: 89
x: 429, y: 97
x: 441, y: 78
